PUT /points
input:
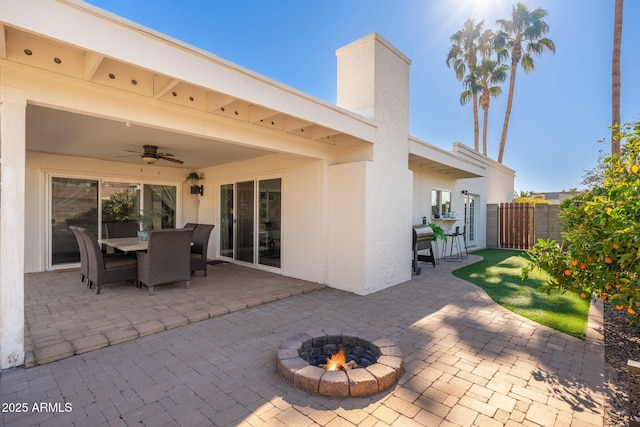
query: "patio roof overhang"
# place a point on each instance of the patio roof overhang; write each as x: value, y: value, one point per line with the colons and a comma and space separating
x: 422, y: 154
x: 91, y: 46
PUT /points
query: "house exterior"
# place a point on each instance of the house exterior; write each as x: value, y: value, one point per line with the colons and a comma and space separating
x: 295, y: 185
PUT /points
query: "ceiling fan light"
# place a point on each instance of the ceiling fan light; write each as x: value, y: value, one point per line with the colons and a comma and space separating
x: 149, y: 159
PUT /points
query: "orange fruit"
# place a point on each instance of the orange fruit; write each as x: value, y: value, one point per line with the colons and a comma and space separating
x: 590, y: 259
x: 608, y: 260
x: 619, y: 306
x: 583, y: 266
x: 583, y: 295
x: 568, y: 272
x: 574, y: 262
x: 608, y: 286
x: 631, y: 311
x: 603, y: 297
x: 616, y: 246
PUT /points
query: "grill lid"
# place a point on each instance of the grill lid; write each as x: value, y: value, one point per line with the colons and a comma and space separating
x: 422, y: 233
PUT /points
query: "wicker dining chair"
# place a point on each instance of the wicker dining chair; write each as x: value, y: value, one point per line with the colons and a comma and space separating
x: 120, y: 229
x: 84, y: 263
x: 106, y: 269
x: 166, y: 259
x: 200, y: 239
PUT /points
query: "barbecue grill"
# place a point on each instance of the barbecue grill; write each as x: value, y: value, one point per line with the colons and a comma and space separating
x: 422, y: 240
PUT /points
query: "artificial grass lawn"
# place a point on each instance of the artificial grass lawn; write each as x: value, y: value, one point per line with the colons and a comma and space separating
x: 499, y: 275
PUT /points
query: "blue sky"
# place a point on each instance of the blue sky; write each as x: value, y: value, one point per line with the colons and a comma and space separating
x: 560, y: 111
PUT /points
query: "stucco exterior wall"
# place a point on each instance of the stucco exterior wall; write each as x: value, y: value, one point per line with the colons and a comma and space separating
x: 425, y: 180
x: 347, y: 226
x: 498, y: 179
x: 373, y: 80
x: 12, y: 222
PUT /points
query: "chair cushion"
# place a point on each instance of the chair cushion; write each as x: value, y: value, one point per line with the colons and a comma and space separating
x: 119, y: 262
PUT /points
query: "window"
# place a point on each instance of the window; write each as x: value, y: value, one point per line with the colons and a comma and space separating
x: 440, y: 203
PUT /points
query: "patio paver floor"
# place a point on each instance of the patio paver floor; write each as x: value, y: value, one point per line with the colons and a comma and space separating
x: 468, y: 362
x: 63, y: 317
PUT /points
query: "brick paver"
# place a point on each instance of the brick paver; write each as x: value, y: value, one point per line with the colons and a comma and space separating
x: 467, y: 361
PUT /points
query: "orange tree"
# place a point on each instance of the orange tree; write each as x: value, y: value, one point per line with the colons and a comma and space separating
x: 601, y: 254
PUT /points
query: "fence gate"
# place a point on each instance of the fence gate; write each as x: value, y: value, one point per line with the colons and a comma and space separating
x: 516, y: 225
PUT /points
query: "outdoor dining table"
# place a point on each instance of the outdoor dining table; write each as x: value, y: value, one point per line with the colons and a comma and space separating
x: 126, y: 244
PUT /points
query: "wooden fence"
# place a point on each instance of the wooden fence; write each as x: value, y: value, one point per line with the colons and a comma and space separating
x: 520, y: 225
x: 516, y: 225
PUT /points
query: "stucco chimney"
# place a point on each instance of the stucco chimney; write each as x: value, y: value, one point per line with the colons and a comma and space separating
x: 370, y: 70
x: 373, y: 81
x: 370, y: 201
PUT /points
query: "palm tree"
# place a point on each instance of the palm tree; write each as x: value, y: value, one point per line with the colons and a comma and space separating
x: 463, y: 57
x: 520, y: 37
x: 522, y: 193
x: 472, y: 84
x: 489, y: 73
x: 615, y: 78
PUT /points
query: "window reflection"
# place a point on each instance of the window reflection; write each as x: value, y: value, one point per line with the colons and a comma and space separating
x: 73, y: 202
x: 270, y: 221
x: 161, y: 198
x: 440, y: 203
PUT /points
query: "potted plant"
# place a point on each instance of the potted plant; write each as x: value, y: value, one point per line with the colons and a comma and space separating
x: 193, y: 179
x: 438, y: 232
x: 145, y: 221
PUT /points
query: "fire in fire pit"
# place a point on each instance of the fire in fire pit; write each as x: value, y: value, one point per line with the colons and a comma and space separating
x: 340, y: 363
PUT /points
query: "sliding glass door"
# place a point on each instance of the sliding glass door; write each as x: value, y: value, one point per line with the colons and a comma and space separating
x: 269, y: 222
x: 250, y: 221
x: 73, y: 202
x: 91, y: 203
x: 227, y: 220
x: 161, y: 198
x: 245, y: 226
x: 120, y: 202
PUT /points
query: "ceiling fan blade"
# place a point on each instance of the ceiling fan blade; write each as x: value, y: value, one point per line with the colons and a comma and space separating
x: 170, y: 159
x: 166, y: 154
x: 131, y: 151
x: 129, y: 155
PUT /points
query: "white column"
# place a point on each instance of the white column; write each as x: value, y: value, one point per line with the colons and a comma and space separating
x: 12, y: 211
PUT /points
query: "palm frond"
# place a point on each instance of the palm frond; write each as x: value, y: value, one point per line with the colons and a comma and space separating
x: 527, y: 63
x: 466, y: 96
x: 495, y: 91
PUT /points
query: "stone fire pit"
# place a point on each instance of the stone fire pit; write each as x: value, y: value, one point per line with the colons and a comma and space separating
x: 380, y: 363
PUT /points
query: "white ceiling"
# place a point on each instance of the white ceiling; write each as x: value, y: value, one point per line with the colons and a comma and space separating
x: 67, y: 133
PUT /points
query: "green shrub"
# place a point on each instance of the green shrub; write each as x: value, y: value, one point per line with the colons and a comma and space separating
x: 602, y: 232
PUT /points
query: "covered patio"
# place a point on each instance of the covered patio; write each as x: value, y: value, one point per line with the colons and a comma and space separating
x: 63, y: 317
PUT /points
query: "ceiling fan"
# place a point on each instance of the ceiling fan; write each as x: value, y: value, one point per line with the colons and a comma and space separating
x: 151, y: 155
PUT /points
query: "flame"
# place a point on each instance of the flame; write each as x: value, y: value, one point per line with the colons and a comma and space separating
x: 336, y: 360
